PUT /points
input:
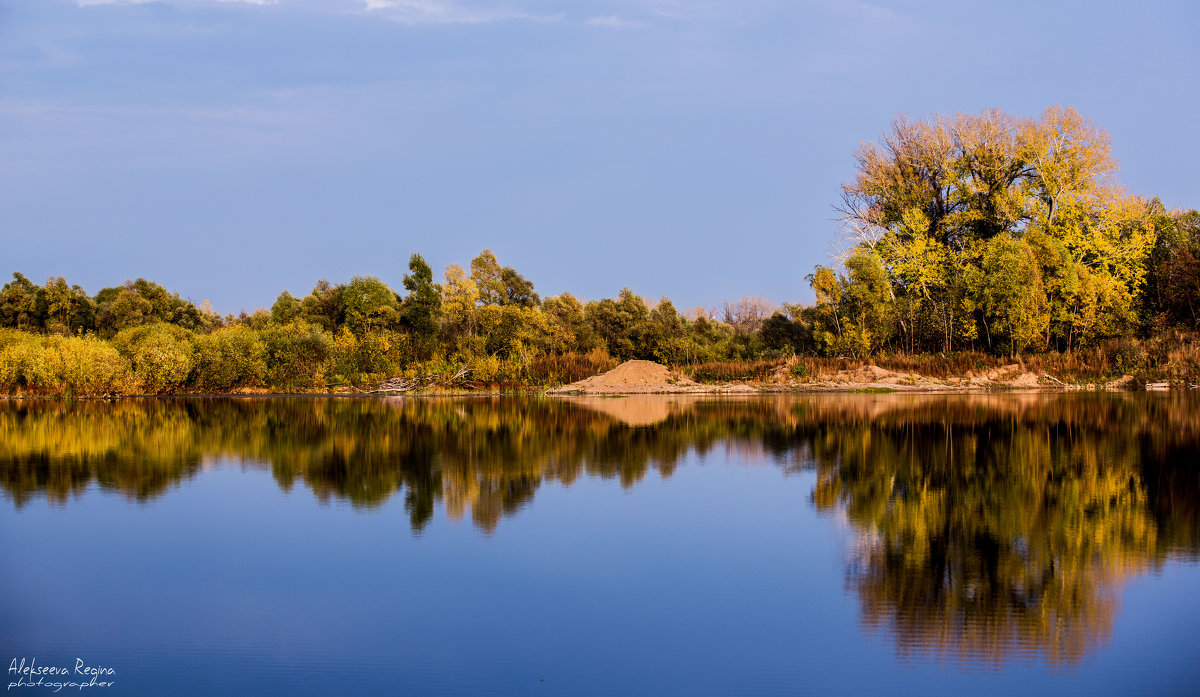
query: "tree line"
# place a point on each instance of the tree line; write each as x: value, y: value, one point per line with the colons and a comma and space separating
x: 984, y: 233
x: 488, y: 325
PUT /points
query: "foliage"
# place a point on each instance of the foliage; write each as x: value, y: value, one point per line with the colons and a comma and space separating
x: 161, y: 356
x: 369, y: 305
x: 285, y: 309
x: 989, y: 229
x: 324, y: 306
x: 422, y: 308
x: 76, y: 366
x: 142, y: 302
x: 18, y: 303
x: 229, y: 358
x: 296, y: 355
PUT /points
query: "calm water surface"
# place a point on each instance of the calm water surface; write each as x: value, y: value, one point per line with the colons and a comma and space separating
x: 825, y: 544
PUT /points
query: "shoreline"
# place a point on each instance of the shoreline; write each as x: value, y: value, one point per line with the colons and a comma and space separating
x: 724, y: 390
x: 640, y: 377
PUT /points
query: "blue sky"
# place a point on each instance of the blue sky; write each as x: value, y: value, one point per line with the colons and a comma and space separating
x: 229, y: 149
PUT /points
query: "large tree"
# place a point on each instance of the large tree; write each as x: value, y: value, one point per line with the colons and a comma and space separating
x: 930, y: 199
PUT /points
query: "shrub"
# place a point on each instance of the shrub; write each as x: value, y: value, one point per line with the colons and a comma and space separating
x: 374, y: 356
x: 160, y: 356
x: 28, y: 365
x: 296, y: 355
x: 70, y: 366
x: 485, y: 369
x: 89, y: 367
x: 228, y: 358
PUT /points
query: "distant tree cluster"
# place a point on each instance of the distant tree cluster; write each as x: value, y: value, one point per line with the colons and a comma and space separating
x: 489, y: 324
x: 57, y: 308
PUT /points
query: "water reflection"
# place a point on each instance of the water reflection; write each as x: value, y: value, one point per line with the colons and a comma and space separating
x: 1004, y: 525
x: 986, y: 527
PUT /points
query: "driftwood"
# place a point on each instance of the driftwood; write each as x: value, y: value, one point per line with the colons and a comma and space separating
x: 399, y: 385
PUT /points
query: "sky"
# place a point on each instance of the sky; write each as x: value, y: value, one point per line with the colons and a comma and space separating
x: 690, y: 149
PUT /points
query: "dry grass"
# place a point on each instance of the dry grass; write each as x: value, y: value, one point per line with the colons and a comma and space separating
x: 729, y: 371
x: 1169, y: 357
x: 563, y: 369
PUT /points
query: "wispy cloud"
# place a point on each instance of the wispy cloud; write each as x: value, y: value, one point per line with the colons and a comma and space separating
x: 446, y: 12
x: 615, y: 22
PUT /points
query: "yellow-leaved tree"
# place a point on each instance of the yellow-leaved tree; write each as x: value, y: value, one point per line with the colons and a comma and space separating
x: 995, y: 229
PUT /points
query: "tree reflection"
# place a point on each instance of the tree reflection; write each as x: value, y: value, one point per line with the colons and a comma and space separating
x: 986, y: 533
x: 986, y: 527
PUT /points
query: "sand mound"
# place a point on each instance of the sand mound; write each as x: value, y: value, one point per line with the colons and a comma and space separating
x: 631, y: 377
x: 644, y: 377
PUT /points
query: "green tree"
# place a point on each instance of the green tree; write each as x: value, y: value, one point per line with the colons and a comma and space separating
x: 423, y: 307
x: 518, y: 290
x: 296, y: 355
x: 65, y: 309
x: 369, y: 304
x: 18, y: 304
x: 324, y: 306
x: 664, y: 334
x: 569, y: 330
x: 1173, y: 282
x: 120, y: 308
x: 1010, y: 293
x: 866, y: 298
x: 286, y: 308
x: 459, y: 298
x: 139, y: 302
x: 784, y: 334
x: 486, y: 273
x: 617, y: 323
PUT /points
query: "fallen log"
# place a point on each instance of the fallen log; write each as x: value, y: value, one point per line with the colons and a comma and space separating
x: 399, y: 385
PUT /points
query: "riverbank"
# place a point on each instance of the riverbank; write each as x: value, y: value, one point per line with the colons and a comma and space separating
x: 645, y: 377
x: 902, y: 373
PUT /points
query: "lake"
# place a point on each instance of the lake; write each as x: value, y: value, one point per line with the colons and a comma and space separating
x: 1004, y: 543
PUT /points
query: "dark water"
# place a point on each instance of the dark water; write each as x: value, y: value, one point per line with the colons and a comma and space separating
x: 826, y: 544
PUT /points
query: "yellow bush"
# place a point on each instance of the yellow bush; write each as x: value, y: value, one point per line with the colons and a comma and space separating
x: 89, y: 367
x: 484, y: 368
x: 229, y: 358
x: 161, y: 356
x: 27, y: 365
x: 374, y: 356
